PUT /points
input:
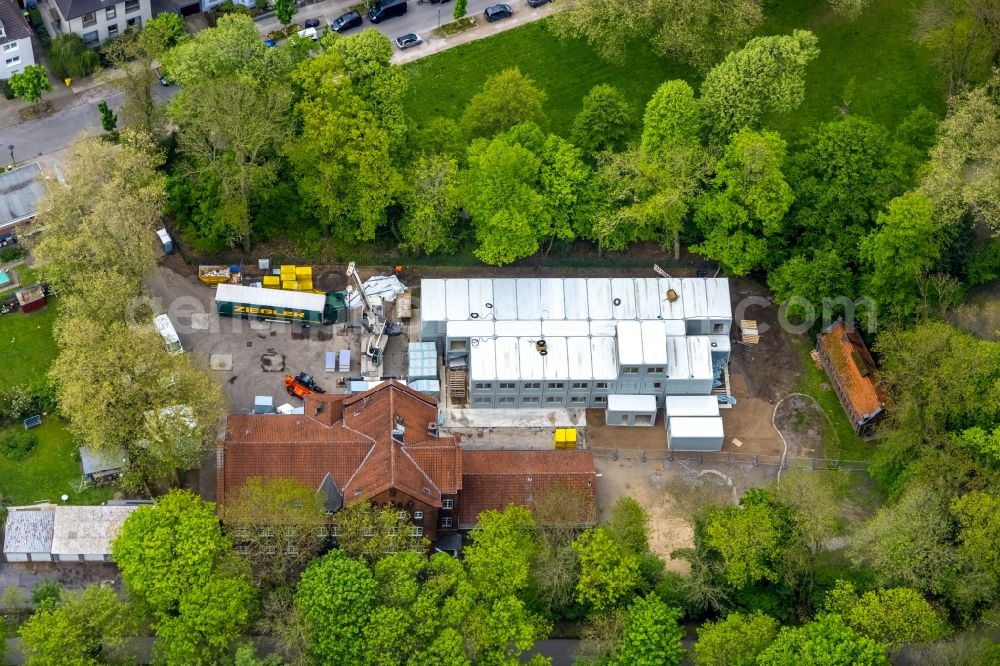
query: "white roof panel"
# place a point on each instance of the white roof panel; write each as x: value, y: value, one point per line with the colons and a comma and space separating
x: 458, y: 299
x: 295, y: 300
x: 483, y: 360
x: 504, y: 299
x: 553, y: 299
x: 720, y: 343
x: 578, y: 356
x: 530, y: 359
x: 599, y: 298
x: 555, y: 364
x: 623, y: 298
x: 604, y: 327
x: 647, y: 298
x: 508, y: 364
x: 695, y: 426
x: 694, y: 297
x: 480, y: 294
x: 700, y: 356
x: 717, y: 293
x: 691, y: 405
x: 674, y: 327
x: 632, y: 403
x: 519, y: 328
x: 529, y: 299
x: 654, y: 343
x: 472, y: 328
x: 575, y: 295
x: 87, y: 530
x: 629, y: 343
x: 670, y: 310
x: 603, y: 359
x: 678, y: 366
x: 29, y: 529
x: 566, y: 327
x: 432, y: 300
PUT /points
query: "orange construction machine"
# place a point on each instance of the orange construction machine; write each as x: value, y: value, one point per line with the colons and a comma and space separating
x: 302, y: 385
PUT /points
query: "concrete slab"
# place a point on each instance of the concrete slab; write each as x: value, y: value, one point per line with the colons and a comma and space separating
x: 256, y: 325
x: 200, y: 321
x: 220, y: 361
x: 514, y: 418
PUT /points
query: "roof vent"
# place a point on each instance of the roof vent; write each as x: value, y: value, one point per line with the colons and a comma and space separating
x: 425, y: 490
x: 432, y: 428
x: 671, y: 295
x: 542, y: 347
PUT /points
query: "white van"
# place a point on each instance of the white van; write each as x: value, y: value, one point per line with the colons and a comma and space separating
x: 309, y: 33
x: 166, y: 330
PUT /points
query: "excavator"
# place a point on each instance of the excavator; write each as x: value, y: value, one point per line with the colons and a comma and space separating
x: 302, y: 385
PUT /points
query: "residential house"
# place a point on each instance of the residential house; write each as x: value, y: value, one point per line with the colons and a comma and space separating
x: 51, y: 533
x: 15, y: 38
x: 99, y: 20
x: 20, y: 191
x: 851, y: 370
x: 383, y: 445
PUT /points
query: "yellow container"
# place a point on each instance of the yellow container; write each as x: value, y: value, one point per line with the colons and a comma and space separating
x: 305, y: 284
x: 303, y: 272
x: 570, y: 436
x: 290, y: 285
x: 560, y: 436
x: 288, y: 272
x: 272, y: 282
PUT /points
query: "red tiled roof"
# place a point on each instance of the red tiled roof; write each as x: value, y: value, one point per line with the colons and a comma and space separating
x: 496, y: 479
x: 358, y: 450
x: 844, y: 349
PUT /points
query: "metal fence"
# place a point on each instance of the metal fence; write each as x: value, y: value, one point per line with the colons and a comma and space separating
x: 730, y: 458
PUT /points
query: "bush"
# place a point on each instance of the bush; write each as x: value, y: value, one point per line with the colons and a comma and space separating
x: 18, y: 444
x: 71, y: 58
x: 11, y: 254
x: 46, y: 593
x: 19, y: 402
x: 5, y: 89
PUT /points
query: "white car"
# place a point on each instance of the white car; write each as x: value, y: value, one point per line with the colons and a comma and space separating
x: 409, y: 40
x: 309, y: 33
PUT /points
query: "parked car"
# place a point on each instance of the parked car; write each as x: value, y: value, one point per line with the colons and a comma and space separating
x: 346, y: 22
x: 309, y: 33
x: 7, y: 239
x: 497, y: 12
x: 537, y: 3
x: 312, y: 23
x: 270, y: 43
x: 385, y: 9
x: 408, y: 40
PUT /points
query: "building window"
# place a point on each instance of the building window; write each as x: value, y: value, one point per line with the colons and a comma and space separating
x: 266, y: 531
x: 484, y: 386
x: 291, y: 549
x: 508, y: 386
x: 134, y: 22
x: 529, y: 401
x: 89, y: 19
x: 417, y: 531
x: 16, y: 60
x: 321, y: 531
x: 10, y: 46
x: 393, y: 531
x: 418, y: 515
x: 601, y: 386
x: 600, y: 399
x: 507, y: 400
x: 112, y: 31
x: 402, y: 515
x: 270, y: 550
x: 448, y: 504
x: 131, y: 6
x: 532, y: 386
x: 90, y: 38
x: 657, y: 385
x: 111, y: 12
x: 556, y: 386
x: 718, y: 329
x: 243, y: 549
x: 578, y: 400
x: 446, y: 522
x: 630, y: 371
x: 579, y: 386
x: 334, y: 530
x: 655, y: 370
x: 369, y: 532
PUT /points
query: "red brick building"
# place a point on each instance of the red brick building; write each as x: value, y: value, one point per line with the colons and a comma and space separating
x: 851, y: 369
x: 383, y: 445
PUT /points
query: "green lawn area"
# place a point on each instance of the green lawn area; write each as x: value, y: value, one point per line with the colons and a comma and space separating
x: 52, y: 470
x: 26, y: 345
x: 892, y: 73
x: 841, y: 443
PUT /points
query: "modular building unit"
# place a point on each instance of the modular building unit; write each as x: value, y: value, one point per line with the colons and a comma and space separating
x: 433, y: 311
x: 555, y: 367
x: 678, y: 367
x: 166, y: 330
x: 694, y: 433
x: 421, y: 360
x: 275, y: 304
x: 483, y: 374
x: 719, y: 308
x: 630, y: 410
x: 690, y: 405
x: 695, y: 298
x: 700, y: 359
x: 604, y: 366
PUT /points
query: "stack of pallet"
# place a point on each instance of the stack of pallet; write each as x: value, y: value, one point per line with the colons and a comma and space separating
x: 748, y: 331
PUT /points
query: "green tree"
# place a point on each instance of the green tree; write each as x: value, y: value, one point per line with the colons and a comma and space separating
x: 109, y: 121
x: 735, y: 640
x: 79, y: 629
x: 70, y: 57
x: 826, y: 641
x: 432, y: 206
x: 822, y: 275
x: 175, y: 559
x: 978, y: 514
x: 372, y: 531
x: 281, y: 524
x: 560, y: 511
x: 652, y: 636
x: 232, y: 47
x: 605, y: 122
x: 507, y: 99
x: 336, y: 596
x: 748, y: 540
x: 891, y: 617
x: 460, y: 9
x: 765, y: 76
x: 132, y: 55
x: 743, y: 213
x: 30, y: 84
x: 900, y: 251
x: 563, y: 178
x: 609, y: 574
x: 285, y: 10
x: 962, y: 36
x: 696, y: 32
x: 849, y: 9
x: 162, y: 33
x: 671, y: 120
x: 628, y: 525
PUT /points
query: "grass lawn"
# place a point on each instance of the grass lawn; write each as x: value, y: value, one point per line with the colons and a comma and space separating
x: 892, y: 73
x: 51, y: 470
x: 841, y: 443
x: 26, y: 345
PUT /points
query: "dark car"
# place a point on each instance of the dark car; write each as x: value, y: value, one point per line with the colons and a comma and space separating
x: 497, y: 12
x: 346, y: 22
x: 408, y: 40
x: 537, y: 3
x: 312, y: 23
x: 7, y: 239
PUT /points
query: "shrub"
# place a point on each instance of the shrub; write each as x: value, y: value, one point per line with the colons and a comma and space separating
x: 11, y: 254
x: 70, y: 57
x: 18, y: 444
x: 460, y: 9
x: 5, y: 89
x: 47, y: 592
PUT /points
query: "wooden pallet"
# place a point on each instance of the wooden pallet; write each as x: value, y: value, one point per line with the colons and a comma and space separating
x: 458, y: 386
x: 748, y: 332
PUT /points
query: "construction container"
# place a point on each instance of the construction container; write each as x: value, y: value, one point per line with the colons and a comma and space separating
x: 630, y: 410
x: 290, y: 285
x: 165, y: 240
x: 272, y: 282
x: 275, y: 305
x: 305, y: 284
x: 695, y: 433
x: 214, y: 274
x: 303, y: 273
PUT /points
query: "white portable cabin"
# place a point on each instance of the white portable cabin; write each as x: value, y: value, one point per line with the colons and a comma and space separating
x: 718, y: 306
x: 508, y: 371
x: 579, y: 359
x: 678, y: 367
x: 721, y: 346
x: 505, y: 299
x: 433, y: 310
x: 690, y: 405
x: 483, y: 374
x: 630, y: 410
x: 532, y: 367
x: 694, y: 433
x: 166, y: 330
x: 555, y: 368
x: 700, y: 360
x: 604, y: 367
x: 695, y: 304
x: 575, y: 298
x: 654, y: 358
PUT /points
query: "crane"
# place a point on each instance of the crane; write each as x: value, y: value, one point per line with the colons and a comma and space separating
x: 373, y: 322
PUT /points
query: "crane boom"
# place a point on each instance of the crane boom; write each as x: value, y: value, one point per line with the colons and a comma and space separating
x: 376, y: 323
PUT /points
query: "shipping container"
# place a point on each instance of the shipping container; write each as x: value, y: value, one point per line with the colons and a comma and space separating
x: 279, y: 305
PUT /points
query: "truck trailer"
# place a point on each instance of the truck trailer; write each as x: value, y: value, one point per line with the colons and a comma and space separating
x: 279, y: 305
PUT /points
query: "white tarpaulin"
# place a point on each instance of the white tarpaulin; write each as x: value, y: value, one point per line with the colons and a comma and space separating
x: 384, y: 286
